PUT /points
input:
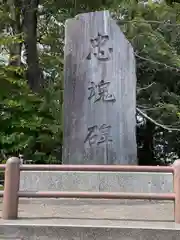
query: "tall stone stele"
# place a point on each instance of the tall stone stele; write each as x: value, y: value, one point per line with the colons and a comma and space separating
x: 99, y: 92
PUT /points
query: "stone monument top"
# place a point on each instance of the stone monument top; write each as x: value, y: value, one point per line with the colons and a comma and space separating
x: 100, y: 92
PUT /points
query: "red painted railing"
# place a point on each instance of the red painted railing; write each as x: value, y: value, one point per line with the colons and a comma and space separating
x: 13, y: 167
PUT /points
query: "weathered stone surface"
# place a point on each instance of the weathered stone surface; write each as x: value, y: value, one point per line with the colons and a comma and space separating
x: 97, y: 182
x: 80, y: 232
x: 88, y: 219
x: 100, y: 92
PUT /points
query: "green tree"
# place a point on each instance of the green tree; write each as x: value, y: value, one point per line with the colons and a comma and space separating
x: 30, y: 115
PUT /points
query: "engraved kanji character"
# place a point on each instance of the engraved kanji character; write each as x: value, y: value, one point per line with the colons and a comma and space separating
x: 99, y: 48
x: 103, y: 92
x: 98, y: 135
x: 100, y: 92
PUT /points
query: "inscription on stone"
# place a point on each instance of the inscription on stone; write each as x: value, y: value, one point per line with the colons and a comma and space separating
x: 98, y: 135
x: 99, y: 48
x: 100, y: 92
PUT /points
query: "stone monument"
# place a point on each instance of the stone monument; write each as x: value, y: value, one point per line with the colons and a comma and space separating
x: 99, y: 92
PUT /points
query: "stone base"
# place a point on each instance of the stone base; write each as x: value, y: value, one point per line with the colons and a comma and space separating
x: 96, y: 182
x: 55, y: 232
x: 72, y: 219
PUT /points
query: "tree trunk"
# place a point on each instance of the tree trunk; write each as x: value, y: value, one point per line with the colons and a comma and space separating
x: 146, y: 152
x: 34, y: 73
x: 15, y: 29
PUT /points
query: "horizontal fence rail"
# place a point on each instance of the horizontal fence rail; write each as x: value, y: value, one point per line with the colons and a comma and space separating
x: 97, y: 168
x: 12, y: 194
x: 98, y: 195
x: 93, y: 168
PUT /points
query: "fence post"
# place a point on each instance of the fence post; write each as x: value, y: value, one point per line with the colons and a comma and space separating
x: 176, y: 167
x: 11, y: 188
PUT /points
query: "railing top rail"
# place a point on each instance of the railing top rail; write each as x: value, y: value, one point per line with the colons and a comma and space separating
x: 94, y: 168
x: 97, y: 168
x: 99, y: 195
